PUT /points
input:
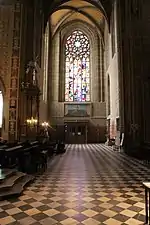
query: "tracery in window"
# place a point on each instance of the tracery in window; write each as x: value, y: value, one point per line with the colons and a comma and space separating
x: 77, y: 71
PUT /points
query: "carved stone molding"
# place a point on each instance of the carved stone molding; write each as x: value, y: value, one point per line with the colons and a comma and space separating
x: 15, y: 73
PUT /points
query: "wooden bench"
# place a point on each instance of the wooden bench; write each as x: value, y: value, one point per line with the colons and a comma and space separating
x: 27, y: 157
x: 9, y: 156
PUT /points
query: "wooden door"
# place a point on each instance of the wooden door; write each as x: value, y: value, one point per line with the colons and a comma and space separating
x: 75, y: 133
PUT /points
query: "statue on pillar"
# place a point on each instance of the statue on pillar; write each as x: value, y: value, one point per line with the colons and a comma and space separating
x: 31, y: 96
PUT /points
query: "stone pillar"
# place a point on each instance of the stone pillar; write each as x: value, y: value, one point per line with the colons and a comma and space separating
x: 31, y: 49
x: 144, y: 65
x: 101, y: 71
x: 55, y: 68
x: 6, y: 36
x: 17, y: 22
x: 134, y: 41
x: 15, y: 74
x: 27, y: 39
x: 120, y: 66
x: 94, y: 68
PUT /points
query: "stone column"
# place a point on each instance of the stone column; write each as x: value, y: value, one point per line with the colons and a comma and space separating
x: 15, y: 74
x: 55, y: 68
x: 6, y: 37
x: 94, y: 68
x: 31, y: 46
x: 27, y: 39
x: 144, y: 64
x: 134, y: 44
x: 101, y: 69
x: 120, y: 66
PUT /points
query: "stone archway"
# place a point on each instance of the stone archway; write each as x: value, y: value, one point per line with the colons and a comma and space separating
x: 50, y: 7
x: 64, y: 18
x: 96, y: 107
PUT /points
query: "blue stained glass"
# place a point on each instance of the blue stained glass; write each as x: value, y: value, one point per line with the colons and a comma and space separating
x: 77, y: 84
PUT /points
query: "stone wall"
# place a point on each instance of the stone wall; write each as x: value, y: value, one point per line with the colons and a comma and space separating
x: 20, y: 42
x: 111, y: 73
x: 10, y: 31
x: 57, y: 78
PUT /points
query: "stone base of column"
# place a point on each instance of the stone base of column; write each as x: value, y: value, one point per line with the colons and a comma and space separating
x: 140, y: 151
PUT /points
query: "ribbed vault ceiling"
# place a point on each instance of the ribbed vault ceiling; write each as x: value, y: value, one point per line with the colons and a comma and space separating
x: 51, y: 5
x: 91, y: 12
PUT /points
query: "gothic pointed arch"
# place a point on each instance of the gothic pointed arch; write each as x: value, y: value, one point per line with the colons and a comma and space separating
x: 95, y: 40
x: 103, y: 6
x: 77, y: 67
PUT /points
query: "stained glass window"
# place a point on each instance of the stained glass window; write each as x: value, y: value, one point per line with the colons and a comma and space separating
x: 77, y: 79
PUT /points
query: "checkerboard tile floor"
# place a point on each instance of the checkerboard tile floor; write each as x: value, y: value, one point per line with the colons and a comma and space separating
x: 88, y: 185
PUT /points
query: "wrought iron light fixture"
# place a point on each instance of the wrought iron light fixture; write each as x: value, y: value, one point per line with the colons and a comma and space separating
x: 32, y: 122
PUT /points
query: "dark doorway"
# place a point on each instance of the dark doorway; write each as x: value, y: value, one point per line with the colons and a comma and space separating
x: 75, y: 133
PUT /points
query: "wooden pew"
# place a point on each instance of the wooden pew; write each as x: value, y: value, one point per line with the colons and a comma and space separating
x: 27, y: 157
